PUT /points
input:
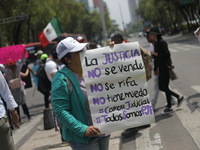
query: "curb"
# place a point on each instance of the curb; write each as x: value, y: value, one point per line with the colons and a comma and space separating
x: 26, y: 130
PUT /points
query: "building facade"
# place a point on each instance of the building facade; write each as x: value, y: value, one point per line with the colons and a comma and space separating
x: 85, y: 2
x: 133, y: 5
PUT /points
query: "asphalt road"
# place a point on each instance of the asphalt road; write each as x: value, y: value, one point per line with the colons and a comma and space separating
x: 180, y: 130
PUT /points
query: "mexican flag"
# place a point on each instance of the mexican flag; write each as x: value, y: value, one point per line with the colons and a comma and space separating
x: 52, y: 31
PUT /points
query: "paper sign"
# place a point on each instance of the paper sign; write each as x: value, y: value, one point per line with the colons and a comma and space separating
x: 14, y: 52
x: 116, y: 86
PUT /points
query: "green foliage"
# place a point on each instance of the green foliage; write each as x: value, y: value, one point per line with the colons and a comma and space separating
x: 91, y: 24
x: 114, y: 28
x: 72, y: 16
x: 168, y: 13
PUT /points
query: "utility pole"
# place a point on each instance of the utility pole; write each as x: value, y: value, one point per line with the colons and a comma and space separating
x: 101, y: 8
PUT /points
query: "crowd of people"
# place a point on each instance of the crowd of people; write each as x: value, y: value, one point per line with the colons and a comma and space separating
x: 66, y: 89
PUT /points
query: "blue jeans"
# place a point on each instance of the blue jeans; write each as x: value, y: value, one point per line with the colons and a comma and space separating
x: 100, y: 143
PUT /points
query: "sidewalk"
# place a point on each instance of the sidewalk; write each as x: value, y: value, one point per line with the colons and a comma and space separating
x: 32, y: 136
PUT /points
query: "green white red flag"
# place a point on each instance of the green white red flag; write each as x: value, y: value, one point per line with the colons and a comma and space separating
x: 50, y: 32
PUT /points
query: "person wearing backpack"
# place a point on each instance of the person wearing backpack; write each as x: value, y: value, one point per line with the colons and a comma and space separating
x: 53, y: 64
x: 44, y: 84
x: 45, y: 74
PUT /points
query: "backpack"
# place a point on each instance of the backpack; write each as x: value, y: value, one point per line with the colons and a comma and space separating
x: 44, y: 84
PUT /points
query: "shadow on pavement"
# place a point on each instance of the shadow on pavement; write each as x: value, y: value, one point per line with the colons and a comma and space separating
x: 126, y: 139
x: 51, y: 146
x: 194, y: 96
x: 193, y: 105
x: 161, y: 117
x: 36, y: 106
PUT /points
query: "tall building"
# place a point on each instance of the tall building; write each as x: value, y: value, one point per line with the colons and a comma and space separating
x: 85, y: 2
x: 133, y: 5
x: 92, y: 5
x: 97, y: 5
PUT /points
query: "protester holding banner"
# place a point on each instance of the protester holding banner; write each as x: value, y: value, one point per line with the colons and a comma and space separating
x: 69, y: 100
x: 13, y: 73
x: 162, y: 61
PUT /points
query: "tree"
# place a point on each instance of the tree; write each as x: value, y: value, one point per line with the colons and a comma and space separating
x: 91, y: 24
x: 72, y: 15
x: 170, y: 13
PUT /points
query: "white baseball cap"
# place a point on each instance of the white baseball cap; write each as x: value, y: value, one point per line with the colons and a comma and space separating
x: 69, y: 45
x: 39, y: 52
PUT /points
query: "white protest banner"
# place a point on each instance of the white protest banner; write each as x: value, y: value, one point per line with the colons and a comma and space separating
x: 116, y: 86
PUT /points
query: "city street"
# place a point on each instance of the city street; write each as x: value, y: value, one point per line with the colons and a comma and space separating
x: 181, y: 129
x: 177, y: 131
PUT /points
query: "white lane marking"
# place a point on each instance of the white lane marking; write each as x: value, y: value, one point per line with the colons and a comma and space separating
x: 115, y: 140
x: 173, y: 50
x: 157, y: 141
x: 177, y: 48
x: 190, y: 47
x: 183, y: 46
x: 196, y: 88
x: 190, y: 120
x: 144, y: 142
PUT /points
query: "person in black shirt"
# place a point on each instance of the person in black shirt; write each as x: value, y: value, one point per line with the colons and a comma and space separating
x: 162, y: 62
